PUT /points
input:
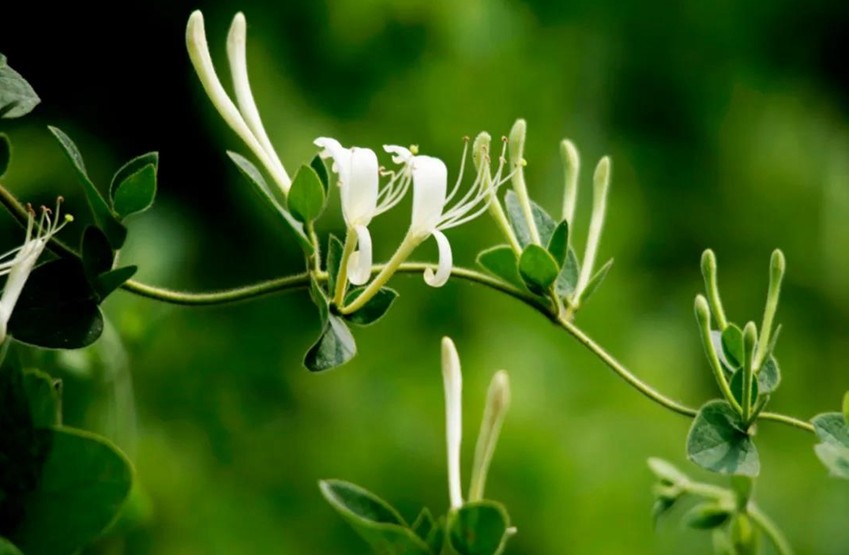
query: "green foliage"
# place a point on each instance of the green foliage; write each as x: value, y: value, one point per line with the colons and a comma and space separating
x: 95, y: 252
x: 769, y: 377
x: 736, y: 385
x: 567, y: 279
x: 133, y: 187
x: 718, y: 441
x: 545, y: 224
x: 7, y: 548
x: 334, y: 259
x: 537, y: 268
x: 595, y: 282
x: 5, y: 153
x: 501, y: 262
x: 732, y: 345
x: 374, y: 309
x: 17, y: 97
x: 558, y: 245
x: 833, y: 450
x: 706, y: 516
x: 43, y: 398
x: 317, y: 164
x: 308, y: 196
x: 334, y: 347
x: 478, y: 528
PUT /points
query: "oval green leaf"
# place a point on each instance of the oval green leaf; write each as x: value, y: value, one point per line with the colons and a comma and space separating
x: 306, y: 196
x: 706, y: 516
x: 374, y: 309
x: 718, y: 442
x: 478, y: 528
x: 501, y: 262
x: 538, y: 268
x: 732, y: 345
x: 334, y: 347
x: 558, y: 245
x: 17, y: 97
x: 136, y: 192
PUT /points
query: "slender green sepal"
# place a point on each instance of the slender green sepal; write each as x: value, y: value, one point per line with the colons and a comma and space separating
x: 750, y: 337
x: 712, y: 288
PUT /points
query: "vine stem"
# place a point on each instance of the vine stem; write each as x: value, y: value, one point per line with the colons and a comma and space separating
x: 770, y: 529
x: 302, y: 280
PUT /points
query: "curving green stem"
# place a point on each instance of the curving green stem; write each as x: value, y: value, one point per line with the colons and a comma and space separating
x: 770, y: 529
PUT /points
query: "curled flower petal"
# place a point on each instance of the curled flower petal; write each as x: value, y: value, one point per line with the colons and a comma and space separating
x: 402, y: 154
x: 359, y: 264
x: 430, y: 181
x: 453, y: 381
x: 341, y: 156
x: 443, y: 270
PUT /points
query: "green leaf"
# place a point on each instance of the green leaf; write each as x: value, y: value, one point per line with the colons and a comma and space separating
x: 43, y: 398
x: 424, y: 524
x: 136, y: 192
x: 744, y: 536
x: 334, y: 260
x: 307, y: 196
x: 558, y: 245
x: 96, y: 252
x: 319, y: 298
x: 317, y: 164
x: 83, y: 485
x: 567, y: 279
x: 706, y: 516
x: 501, y: 262
x: 537, y: 268
x: 595, y: 281
x: 17, y: 97
x: 478, y: 528
x: 736, y: 385
x: 253, y: 175
x: 846, y: 407
x: 7, y: 548
x: 131, y: 167
x: 108, y: 282
x: 769, y: 377
x: 374, y: 309
x: 660, y: 507
x: 106, y: 220
x: 732, y: 346
x: 57, y: 308
x: 718, y: 441
x: 378, y: 523
x: 833, y: 431
x: 334, y: 347
x: 545, y: 224
x: 5, y: 153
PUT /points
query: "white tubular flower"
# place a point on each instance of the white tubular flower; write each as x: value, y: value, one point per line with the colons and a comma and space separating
x: 19, y: 262
x: 244, y: 120
x: 453, y: 380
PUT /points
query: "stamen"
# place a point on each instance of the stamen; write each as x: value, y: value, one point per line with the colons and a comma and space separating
x: 462, y: 169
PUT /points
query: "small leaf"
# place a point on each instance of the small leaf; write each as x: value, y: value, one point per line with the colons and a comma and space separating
x: 660, y: 507
x: 424, y: 524
x: 43, y: 397
x: 558, y: 245
x: 732, y: 345
x: 769, y: 378
x: 83, y: 485
x: 253, y: 175
x: 737, y: 388
x: 17, y: 97
x: 718, y: 441
x: 377, y: 522
x: 108, y: 282
x: 545, y: 224
x: 136, y: 192
x: 57, y: 308
x: 319, y: 298
x: 334, y: 259
x: 595, y: 281
x: 5, y: 153
x: 106, y: 220
x: 537, y: 268
x: 833, y: 431
x: 568, y: 277
x: 307, y: 196
x: 666, y: 472
x: 706, y: 516
x: 131, y: 167
x: 374, y: 309
x: 334, y: 347
x: 835, y: 459
x: 317, y: 164
x: 96, y: 252
x: 478, y: 528
x: 501, y: 262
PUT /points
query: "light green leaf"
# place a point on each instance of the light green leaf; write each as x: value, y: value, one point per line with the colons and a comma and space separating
x: 253, y: 175
x: 374, y: 309
x: 769, y: 378
x: 307, y: 196
x: 5, y: 153
x: 558, y: 245
x: 718, y: 441
x: 135, y: 193
x: 103, y: 215
x: 537, y: 268
x: 478, y: 528
x: 595, y: 281
x: 334, y: 347
x: 732, y: 345
x: 501, y: 262
x: 17, y: 97
x: 43, y: 398
x: 334, y: 260
x: 706, y: 516
x: 568, y: 277
x: 833, y: 431
x: 736, y: 386
x: 545, y: 224
x: 377, y: 522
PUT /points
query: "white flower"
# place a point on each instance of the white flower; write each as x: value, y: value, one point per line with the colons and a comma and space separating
x: 244, y: 120
x: 19, y: 262
x: 361, y: 197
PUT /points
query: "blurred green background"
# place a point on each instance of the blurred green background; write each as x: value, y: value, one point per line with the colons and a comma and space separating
x: 728, y: 126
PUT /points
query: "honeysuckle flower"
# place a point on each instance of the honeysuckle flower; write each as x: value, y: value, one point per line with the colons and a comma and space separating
x: 362, y: 198
x: 244, y: 119
x: 19, y: 262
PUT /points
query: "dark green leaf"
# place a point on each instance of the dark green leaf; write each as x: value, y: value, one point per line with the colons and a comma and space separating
x: 737, y: 388
x: 378, y: 523
x: 544, y: 223
x: 96, y: 252
x: 44, y: 400
x: 253, y: 175
x: 558, y: 245
x: 567, y: 279
x: 660, y: 507
x: 317, y: 164
x: 374, y: 309
x: 706, y: 516
x: 108, y: 282
x: 136, y: 192
x: 333, y: 348
x: 478, y: 528
x: 334, y: 259
x: 83, y: 485
x: 307, y: 196
x: 718, y: 441
x: 319, y: 298
x: 17, y: 98
x: 501, y: 262
x: 732, y: 346
x: 595, y: 281
x: 106, y: 220
x: 769, y: 377
x: 132, y: 167
x: 5, y: 153
x: 424, y: 524
x: 832, y: 430
x: 57, y: 307
x: 537, y: 268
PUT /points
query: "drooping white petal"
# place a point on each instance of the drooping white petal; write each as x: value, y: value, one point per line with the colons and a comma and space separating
x: 23, y: 265
x: 453, y: 382
x: 443, y: 269
x: 236, y: 40
x: 359, y: 264
x: 430, y: 181
x: 359, y: 195
x: 402, y: 154
x: 341, y: 156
